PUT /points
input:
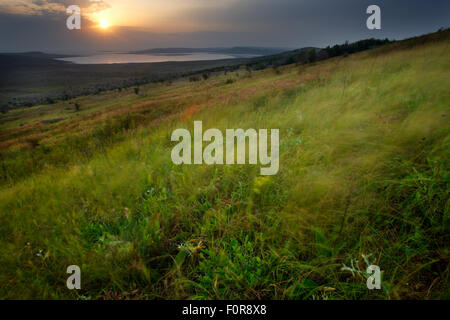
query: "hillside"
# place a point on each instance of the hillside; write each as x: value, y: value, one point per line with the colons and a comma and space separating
x: 28, y: 79
x: 33, y: 78
x: 363, y: 179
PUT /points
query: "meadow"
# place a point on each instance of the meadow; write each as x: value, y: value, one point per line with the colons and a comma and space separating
x: 363, y: 179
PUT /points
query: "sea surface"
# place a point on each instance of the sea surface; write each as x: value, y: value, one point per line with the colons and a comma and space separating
x: 110, y: 58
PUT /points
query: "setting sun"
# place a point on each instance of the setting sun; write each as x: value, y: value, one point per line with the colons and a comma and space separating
x: 104, y: 24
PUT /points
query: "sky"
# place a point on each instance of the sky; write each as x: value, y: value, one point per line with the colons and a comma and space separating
x: 40, y: 25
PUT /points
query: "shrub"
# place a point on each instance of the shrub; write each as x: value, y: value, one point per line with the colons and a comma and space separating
x: 194, y: 79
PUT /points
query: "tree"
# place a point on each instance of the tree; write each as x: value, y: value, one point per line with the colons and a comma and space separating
x: 312, y: 56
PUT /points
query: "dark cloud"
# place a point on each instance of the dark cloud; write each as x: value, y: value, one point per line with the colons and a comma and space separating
x: 319, y: 23
x: 40, y: 24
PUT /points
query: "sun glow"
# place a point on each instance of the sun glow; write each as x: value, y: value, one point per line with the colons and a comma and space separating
x: 104, y: 23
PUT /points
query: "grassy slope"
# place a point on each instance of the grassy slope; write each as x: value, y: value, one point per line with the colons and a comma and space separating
x: 363, y: 170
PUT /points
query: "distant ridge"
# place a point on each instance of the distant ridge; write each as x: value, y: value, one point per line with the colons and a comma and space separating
x: 260, y: 51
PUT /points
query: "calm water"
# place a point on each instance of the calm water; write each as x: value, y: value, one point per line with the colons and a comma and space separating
x: 108, y: 58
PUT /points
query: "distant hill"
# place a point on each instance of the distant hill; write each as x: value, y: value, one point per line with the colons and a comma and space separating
x: 256, y: 51
x: 24, y: 59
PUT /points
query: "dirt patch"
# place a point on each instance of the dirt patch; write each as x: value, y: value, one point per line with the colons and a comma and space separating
x: 189, y: 112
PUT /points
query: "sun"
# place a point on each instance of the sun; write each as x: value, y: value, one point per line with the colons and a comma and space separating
x: 104, y: 23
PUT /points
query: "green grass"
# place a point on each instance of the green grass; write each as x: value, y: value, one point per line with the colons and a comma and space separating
x: 364, y: 159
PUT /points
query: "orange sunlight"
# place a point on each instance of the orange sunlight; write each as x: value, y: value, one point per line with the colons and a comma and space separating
x: 104, y: 24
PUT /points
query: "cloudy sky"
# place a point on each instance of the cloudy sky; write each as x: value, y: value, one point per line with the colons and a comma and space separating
x: 27, y: 25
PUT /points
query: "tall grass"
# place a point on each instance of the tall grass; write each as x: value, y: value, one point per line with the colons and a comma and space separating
x: 364, y: 158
